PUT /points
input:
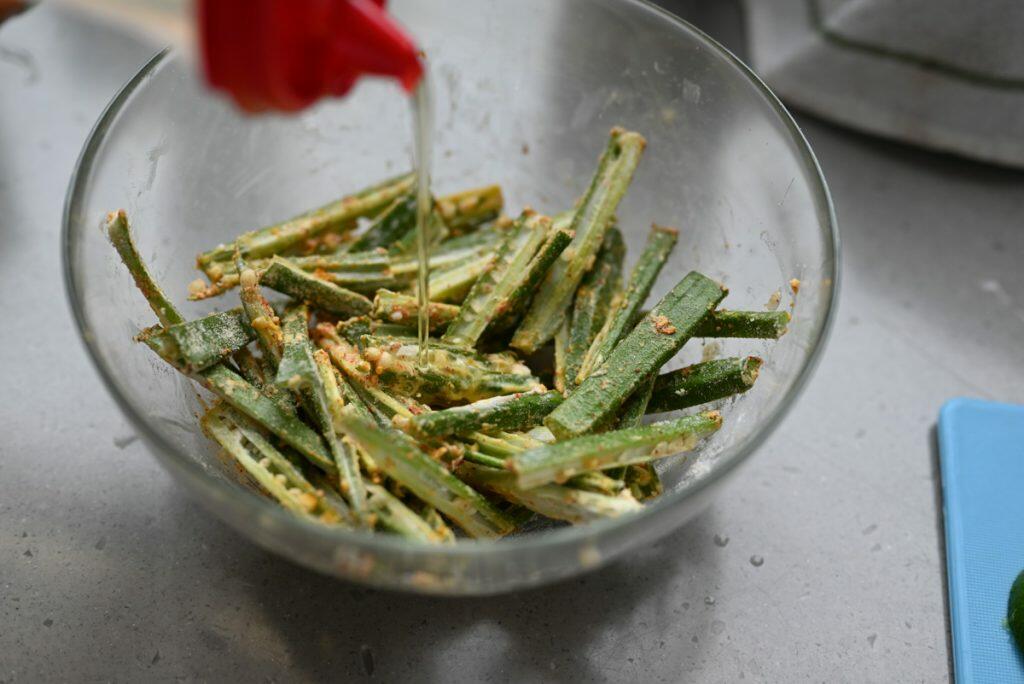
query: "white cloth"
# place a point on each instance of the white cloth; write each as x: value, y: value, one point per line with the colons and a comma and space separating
x: 944, y: 74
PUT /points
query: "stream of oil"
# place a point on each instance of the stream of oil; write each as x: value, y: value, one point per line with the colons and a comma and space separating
x: 423, y: 121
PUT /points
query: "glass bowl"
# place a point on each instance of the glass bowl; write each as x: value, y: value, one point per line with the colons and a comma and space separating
x: 525, y: 93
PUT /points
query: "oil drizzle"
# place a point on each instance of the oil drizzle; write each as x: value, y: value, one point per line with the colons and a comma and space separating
x: 423, y: 116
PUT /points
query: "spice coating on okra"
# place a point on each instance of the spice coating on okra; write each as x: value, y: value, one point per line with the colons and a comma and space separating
x: 345, y: 426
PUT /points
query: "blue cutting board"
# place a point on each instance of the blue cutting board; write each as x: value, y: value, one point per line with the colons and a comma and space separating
x: 981, y: 445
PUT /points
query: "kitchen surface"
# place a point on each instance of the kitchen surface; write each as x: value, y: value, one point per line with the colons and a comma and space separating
x: 821, y: 561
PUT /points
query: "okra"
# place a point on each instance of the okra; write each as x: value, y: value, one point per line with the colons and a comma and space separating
x: 512, y: 308
x: 551, y: 500
x: 598, y: 482
x: 194, y: 345
x: 317, y: 388
x: 593, y: 301
x: 510, y: 412
x: 120, y: 235
x: 590, y: 222
x: 561, y: 355
x: 282, y: 482
x: 465, y: 211
x: 394, y: 516
x: 454, y: 284
x: 426, y: 478
x: 488, y: 297
x: 653, y: 341
x: 287, y: 279
x: 393, y: 224
x: 558, y: 462
x: 768, y: 325
x: 703, y: 382
x: 281, y: 236
x: 261, y: 317
x: 623, y: 314
x: 397, y: 308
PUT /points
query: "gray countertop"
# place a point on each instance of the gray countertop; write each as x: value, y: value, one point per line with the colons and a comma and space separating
x: 109, y: 571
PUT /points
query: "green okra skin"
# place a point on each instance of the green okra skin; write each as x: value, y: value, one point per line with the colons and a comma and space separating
x: 248, y: 401
x: 454, y: 284
x: 464, y: 212
x: 488, y: 297
x: 261, y: 317
x: 330, y: 401
x: 641, y: 478
x: 314, y: 383
x: 598, y: 482
x: 250, y: 367
x: 403, y: 310
x: 623, y: 314
x: 474, y: 456
x: 561, y: 354
x: 281, y: 236
x: 551, y: 500
x: 510, y: 412
x: 218, y: 427
x: 703, y: 382
x: 512, y: 308
x: 437, y: 524
x: 653, y: 341
x: 194, y: 345
x: 593, y: 216
x: 394, y: 516
x: 426, y: 478
x: 119, y: 233
x: 767, y: 325
x: 593, y: 302
x: 286, y: 472
x: 561, y: 461
x: 285, y: 278
x: 393, y: 224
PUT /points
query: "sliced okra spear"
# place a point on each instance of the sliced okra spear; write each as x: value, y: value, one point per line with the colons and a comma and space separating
x: 317, y: 388
x: 653, y: 341
x: 554, y: 501
x: 453, y: 285
x: 194, y: 345
x: 592, y: 303
x: 703, y: 382
x: 509, y: 412
x: 513, y: 307
x: 590, y: 222
x: 269, y: 468
x: 595, y: 481
x: 398, y: 308
x: 437, y: 523
x: 394, y: 516
x: 393, y: 224
x: 120, y: 236
x: 641, y: 478
x: 281, y: 236
x: 287, y: 279
x: 561, y: 353
x: 465, y: 211
x: 449, y: 377
x: 429, y: 480
x: 250, y: 367
x: 768, y: 325
x: 261, y: 317
x: 623, y: 314
x: 489, y: 295
x: 561, y: 461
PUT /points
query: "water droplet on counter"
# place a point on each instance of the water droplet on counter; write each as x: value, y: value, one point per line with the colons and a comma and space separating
x: 709, y: 600
x: 757, y: 561
x: 721, y: 540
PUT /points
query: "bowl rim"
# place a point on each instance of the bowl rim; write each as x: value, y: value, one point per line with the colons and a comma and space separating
x: 250, y: 507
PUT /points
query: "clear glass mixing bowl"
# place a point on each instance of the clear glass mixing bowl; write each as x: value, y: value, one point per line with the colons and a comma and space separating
x: 525, y: 93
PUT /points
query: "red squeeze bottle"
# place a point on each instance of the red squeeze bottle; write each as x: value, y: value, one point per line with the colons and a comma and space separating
x: 284, y: 55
